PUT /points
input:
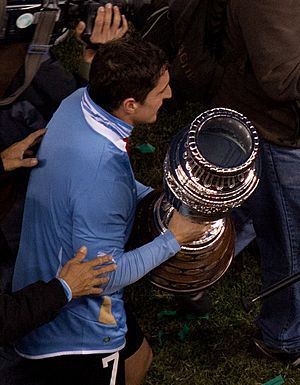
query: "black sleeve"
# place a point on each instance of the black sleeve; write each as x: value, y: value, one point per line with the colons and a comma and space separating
x: 1, y: 166
x: 29, y: 308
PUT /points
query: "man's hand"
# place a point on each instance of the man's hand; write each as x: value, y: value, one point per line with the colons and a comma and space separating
x: 12, y: 157
x: 84, y: 277
x: 107, y: 27
x: 184, y: 230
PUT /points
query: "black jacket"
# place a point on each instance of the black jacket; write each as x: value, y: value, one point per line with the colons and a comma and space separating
x: 29, y: 308
x: 40, y: 302
x: 31, y: 111
x: 263, y: 79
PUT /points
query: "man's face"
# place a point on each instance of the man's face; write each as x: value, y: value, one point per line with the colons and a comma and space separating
x: 147, y: 112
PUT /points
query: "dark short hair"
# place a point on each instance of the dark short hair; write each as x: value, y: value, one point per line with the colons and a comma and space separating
x: 124, y: 68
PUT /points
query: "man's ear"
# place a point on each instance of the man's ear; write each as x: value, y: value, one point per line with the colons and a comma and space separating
x: 130, y: 105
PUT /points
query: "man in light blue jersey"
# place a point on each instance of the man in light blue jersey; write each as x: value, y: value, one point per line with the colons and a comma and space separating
x: 84, y: 192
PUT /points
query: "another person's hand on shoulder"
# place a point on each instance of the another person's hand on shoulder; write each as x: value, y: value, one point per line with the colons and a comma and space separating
x: 84, y: 278
x: 184, y: 230
x: 13, y: 156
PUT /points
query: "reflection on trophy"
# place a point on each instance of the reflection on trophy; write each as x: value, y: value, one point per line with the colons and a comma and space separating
x: 209, y: 169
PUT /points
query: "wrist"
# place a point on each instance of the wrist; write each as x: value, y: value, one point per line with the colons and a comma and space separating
x: 66, y: 288
x: 84, y: 69
x: 93, y: 46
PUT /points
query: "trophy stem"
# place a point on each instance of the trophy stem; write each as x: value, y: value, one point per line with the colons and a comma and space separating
x: 199, y: 264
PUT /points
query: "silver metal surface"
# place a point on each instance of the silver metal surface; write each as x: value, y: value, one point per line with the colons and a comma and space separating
x: 210, y: 166
x: 209, y: 169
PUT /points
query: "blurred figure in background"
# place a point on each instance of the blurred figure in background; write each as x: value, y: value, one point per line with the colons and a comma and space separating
x: 33, y: 109
x: 20, y: 124
x: 262, y: 81
x: 40, y: 302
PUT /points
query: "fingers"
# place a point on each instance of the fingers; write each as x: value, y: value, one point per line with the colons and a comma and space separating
x: 124, y: 26
x: 13, y: 164
x: 97, y: 263
x: 33, y: 138
x: 120, y: 25
x: 100, y: 281
x: 108, y: 16
x: 100, y: 260
x: 116, y: 20
x: 12, y: 157
x: 84, y: 278
x: 96, y: 36
x: 95, y: 291
x: 108, y: 24
x: 89, y: 291
x: 28, y: 162
x: 96, y: 270
x: 79, y: 30
x: 80, y: 255
x: 91, y: 287
x: 97, y: 33
x: 105, y: 269
x: 94, y: 263
x: 184, y: 230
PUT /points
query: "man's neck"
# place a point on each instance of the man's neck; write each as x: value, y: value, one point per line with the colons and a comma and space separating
x: 124, y: 117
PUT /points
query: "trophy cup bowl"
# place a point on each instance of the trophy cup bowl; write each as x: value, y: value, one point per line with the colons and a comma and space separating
x: 209, y: 169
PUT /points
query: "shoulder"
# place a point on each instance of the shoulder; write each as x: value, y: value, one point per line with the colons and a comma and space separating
x: 74, y: 97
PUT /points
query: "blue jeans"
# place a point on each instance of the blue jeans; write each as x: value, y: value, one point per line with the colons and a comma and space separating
x: 244, y: 230
x: 275, y: 211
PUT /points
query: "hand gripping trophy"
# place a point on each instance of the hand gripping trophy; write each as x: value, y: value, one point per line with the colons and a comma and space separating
x: 209, y: 169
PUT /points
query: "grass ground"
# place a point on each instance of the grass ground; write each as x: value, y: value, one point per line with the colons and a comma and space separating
x: 213, y: 351
x: 206, y: 351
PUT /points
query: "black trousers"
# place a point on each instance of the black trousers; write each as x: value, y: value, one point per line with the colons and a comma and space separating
x: 89, y: 369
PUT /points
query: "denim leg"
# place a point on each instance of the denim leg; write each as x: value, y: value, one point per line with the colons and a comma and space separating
x: 243, y: 225
x: 275, y: 209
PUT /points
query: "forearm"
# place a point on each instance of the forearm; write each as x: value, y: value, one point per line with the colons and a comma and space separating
x: 135, y: 264
x: 29, y: 308
x: 142, y: 190
x: 103, y: 223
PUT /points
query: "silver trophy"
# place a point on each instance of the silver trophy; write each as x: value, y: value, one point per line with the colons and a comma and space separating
x: 209, y: 169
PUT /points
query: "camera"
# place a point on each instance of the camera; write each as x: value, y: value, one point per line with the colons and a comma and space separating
x: 21, y: 16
